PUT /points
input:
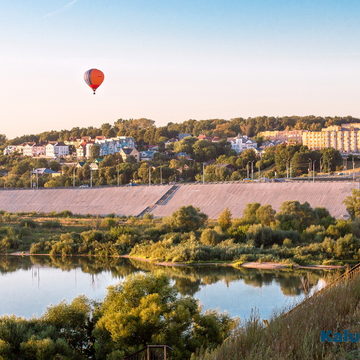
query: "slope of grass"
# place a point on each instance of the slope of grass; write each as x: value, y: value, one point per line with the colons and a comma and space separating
x: 297, y: 334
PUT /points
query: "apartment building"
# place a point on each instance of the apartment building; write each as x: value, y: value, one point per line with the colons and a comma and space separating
x: 289, y: 136
x: 345, y: 138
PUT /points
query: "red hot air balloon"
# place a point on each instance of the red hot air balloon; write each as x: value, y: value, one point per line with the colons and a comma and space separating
x: 94, y: 78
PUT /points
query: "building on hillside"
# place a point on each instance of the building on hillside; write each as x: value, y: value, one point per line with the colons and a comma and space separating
x: 88, y: 147
x: 170, y: 142
x: 56, y: 150
x: 288, y: 136
x: 34, y: 150
x: 46, y: 171
x: 80, y: 164
x: 216, y: 139
x: 10, y: 149
x: 126, y: 153
x: 183, y: 155
x: 269, y: 143
x: 183, y: 136
x: 113, y: 145
x: 20, y: 148
x: 241, y: 143
x: 14, y: 149
x: 147, y: 155
x: 345, y: 139
x: 94, y: 166
x: 28, y: 149
x: 203, y: 137
x: 81, y: 151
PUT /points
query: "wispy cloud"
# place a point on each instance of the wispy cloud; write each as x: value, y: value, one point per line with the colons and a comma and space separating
x: 68, y: 5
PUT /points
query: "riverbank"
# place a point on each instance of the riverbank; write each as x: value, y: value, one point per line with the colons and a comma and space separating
x: 249, y: 265
x: 336, y: 309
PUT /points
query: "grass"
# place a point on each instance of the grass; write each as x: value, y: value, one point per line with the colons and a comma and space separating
x: 297, y: 335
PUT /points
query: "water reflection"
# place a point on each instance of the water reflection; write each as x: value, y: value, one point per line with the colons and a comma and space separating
x: 225, y: 288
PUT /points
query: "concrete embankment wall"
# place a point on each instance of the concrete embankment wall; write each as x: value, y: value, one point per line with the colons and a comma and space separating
x: 210, y: 198
x: 214, y: 198
x: 97, y: 201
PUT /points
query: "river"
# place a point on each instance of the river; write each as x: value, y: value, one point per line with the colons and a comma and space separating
x: 31, y: 283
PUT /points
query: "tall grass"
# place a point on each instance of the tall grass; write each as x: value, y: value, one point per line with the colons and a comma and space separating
x: 297, y: 334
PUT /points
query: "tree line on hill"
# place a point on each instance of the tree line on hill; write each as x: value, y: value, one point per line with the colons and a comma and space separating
x: 146, y: 132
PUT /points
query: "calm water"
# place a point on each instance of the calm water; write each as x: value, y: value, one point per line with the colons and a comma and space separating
x: 29, y: 284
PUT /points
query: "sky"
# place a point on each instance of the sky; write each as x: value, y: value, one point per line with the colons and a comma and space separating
x: 173, y: 60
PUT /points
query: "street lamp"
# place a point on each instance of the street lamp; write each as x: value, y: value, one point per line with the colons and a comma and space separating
x: 203, y: 173
x: 117, y: 173
x: 74, y: 174
x: 314, y: 170
x: 252, y: 169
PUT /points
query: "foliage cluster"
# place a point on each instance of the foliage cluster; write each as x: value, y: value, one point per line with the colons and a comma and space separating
x: 143, y: 310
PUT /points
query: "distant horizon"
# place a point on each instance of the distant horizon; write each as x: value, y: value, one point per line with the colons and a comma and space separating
x: 175, y: 122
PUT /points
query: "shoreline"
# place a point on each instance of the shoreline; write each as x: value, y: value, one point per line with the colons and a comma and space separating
x: 248, y: 265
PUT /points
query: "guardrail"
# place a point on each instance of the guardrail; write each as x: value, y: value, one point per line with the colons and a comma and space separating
x: 289, y: 180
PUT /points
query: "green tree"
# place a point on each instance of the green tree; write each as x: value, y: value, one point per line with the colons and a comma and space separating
x: 187, y: 218
x: 352, y: 204
x: 265, y: 215
x: 209, y: 237
x: 204, y: 150
x: 94, y: 151
x: 146, y: 309
x: 224, y: 219
x: 249, y: 213
x: 295, y: 216
x: 330, y: 159
x: 72, y: 321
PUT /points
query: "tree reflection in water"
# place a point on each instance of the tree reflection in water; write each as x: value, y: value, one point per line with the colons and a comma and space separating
x: 188, y: 279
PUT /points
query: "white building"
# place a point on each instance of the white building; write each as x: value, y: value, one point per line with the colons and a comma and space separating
x: 10, y: 149
x: 241, y: 143
x: 56, y: 150
x: 34, y: 150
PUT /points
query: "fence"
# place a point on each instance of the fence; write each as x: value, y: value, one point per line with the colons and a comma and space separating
x: 152, y: 352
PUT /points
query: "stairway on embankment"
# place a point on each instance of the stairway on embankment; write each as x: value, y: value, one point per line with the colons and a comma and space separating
x: 163, y: 200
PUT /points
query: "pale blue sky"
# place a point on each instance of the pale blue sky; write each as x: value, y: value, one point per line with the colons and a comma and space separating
x: 175, y: 60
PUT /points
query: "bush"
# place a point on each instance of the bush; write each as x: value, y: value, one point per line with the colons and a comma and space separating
x: 187, y: 218
x: 28, y: 223
x: 108, y: 223
x: 209, y: 237
x: 51, y: 224
x: 64, y: 214
x: 287, y: 243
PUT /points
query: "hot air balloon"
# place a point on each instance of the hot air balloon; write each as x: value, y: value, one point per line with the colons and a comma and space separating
x: 94, y: 78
